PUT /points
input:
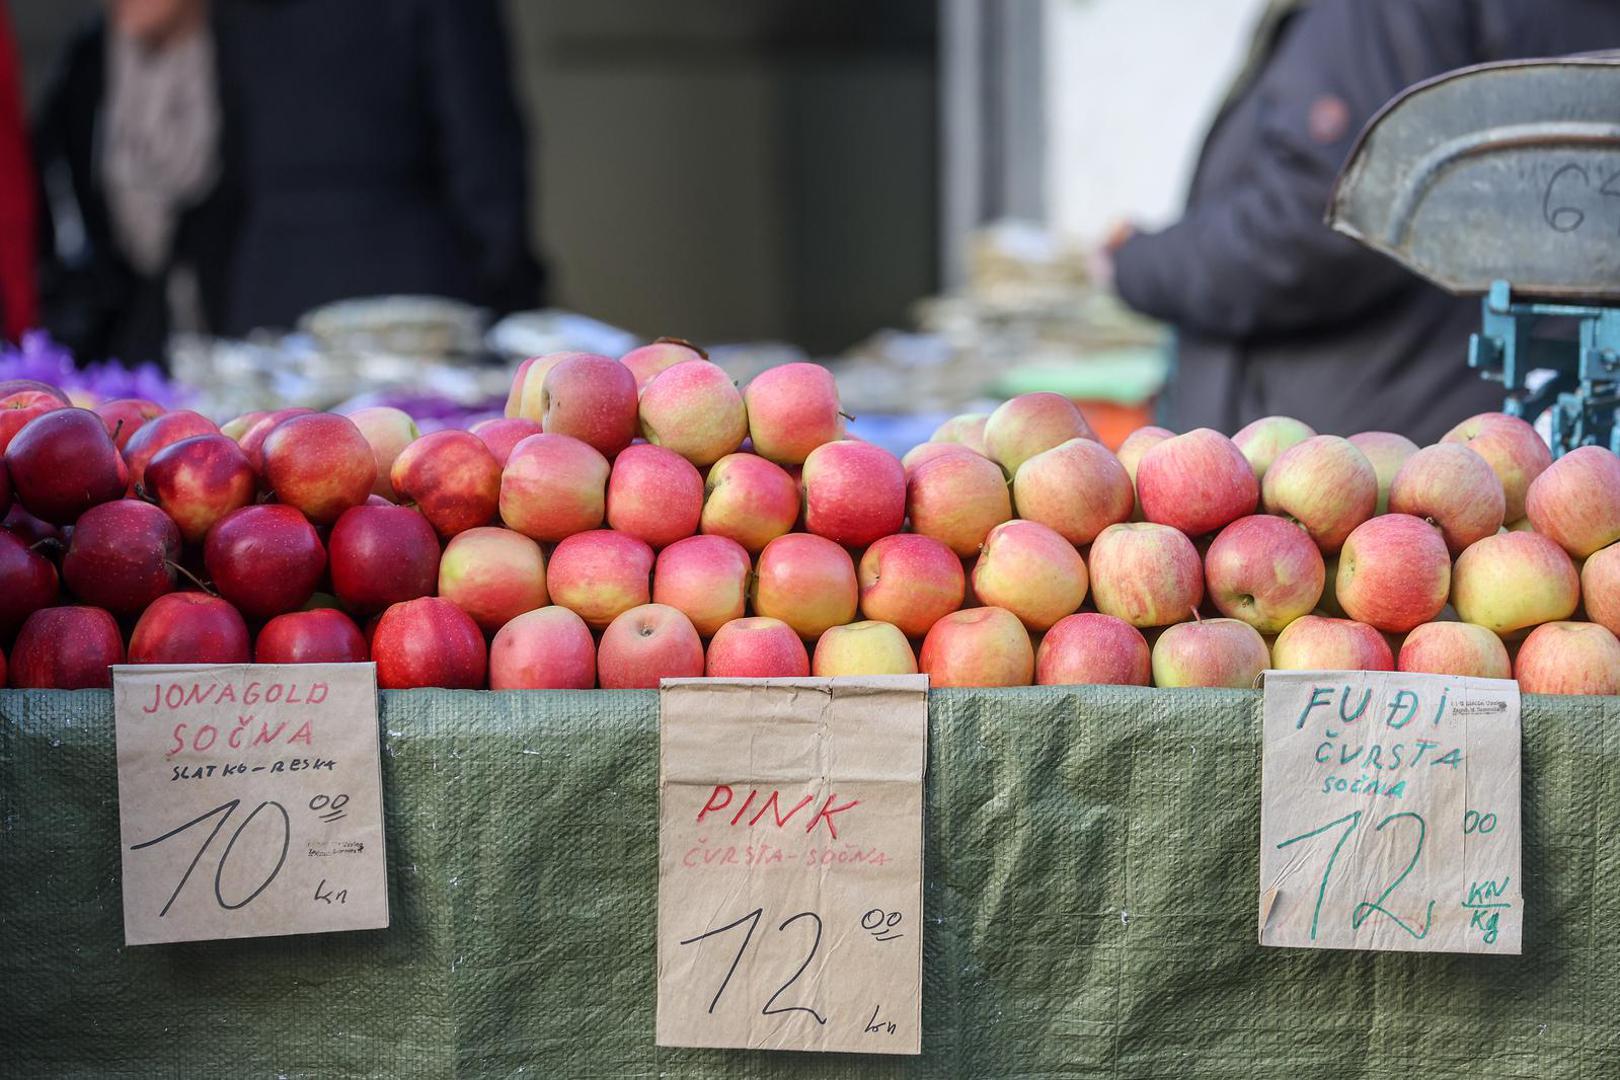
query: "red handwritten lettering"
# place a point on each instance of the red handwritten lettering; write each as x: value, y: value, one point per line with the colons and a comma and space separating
x: 712, y: 804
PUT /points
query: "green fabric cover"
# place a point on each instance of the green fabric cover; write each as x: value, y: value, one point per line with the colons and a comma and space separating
x: 1091, y: 896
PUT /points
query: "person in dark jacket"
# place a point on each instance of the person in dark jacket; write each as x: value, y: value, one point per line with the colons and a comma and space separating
x: 381, y: 151
x: 1274, y: 312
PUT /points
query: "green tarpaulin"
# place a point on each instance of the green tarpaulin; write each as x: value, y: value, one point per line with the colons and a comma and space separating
x: 1091, y: 897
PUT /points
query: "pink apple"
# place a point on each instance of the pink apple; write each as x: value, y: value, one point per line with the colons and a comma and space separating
x: 1600, y: 587
x: 1512, y: 448
x: 806, y: 581
x: 451, y: 477
x: 1030, y: 424
x: 1264, y: 439
x: 600, y: 575
x: 1314, y: 643
x: 1130, y: 454
x: 123, y: 556
x: 320, y: 464
x: 957, y: 499
x: 1453, y: 489
x: 704, y: 577
x: 749, y: 500
x: 549, y: 648
x: 911, y: 581
x: 792, y: 409
x: 1032, y: 572
x: 265, y: 559
x: 863, y: 648
x: 967, y: 430
x: 321, y: 636
x: 428, y: 642
x: 646, y: 644
x: 1225, y: 653
x: 1146, y: 574
x: 123, y: 415
x: 1514, y: 580
x: 1264, y: 571
x: 650, y: 361
x: 1569, y: 658
x: 1388, y: 452
x: 757, y: 648
x: 492, y: 574
x: 593, y: 399
x: 190, y: 628
x: 66, y: 648
x: 1576, y: 501
x: 695, y: 410
x: 1394, y: 573
x: 654, y: 494
x: 381, y: 556
x: 1077, y: 489
x: 503, y: 433
x: 526, y: 399
x: 389, y: 431
x: 1197, y: 482
x: 161, y: 431
x: 854, y: 492
x: 1455, y: 648
x: 983, y: 646
x: 1326, y: 485
x: 553, y: 487
x: 1088, y: 648
x: 928, y: 451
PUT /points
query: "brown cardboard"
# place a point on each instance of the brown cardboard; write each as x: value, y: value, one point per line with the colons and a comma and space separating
x: 213, y: 761
x: 1413, y: 798
x: 790, y: 863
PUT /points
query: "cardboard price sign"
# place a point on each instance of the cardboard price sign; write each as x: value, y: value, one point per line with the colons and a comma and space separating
x: 1389, y: 815
x: 790, y: 863
x: 249, y: 800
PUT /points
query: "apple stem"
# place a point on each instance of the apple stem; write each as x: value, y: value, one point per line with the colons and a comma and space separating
x: 846, y: 416
x: 142, y: 493
x: 117, y: 428
x: 1196, y: 617
x: 193, y: 578
x: 683, y: 342
x: 49, y: 544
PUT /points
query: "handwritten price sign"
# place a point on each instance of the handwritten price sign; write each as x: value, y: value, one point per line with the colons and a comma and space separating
x: 250, y: 800
x: 1390, y: 813
x: 790, y: 864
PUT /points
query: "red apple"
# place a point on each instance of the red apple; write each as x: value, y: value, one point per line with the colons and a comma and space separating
x: 957, y: 499
x: 1455, y: 648
x: 646, y: 644
x: 650, y: 361
x: 30, y: 529
x: 123, y: 415
x: 452, y: 478
x: 911, y: 581
x: 237, y: 427
x: 27, y: 582
x: 1452, y: 488
x: 1077, y: 488
x: 161, y: 431
x: 749, y: 500
x: 1225, y: 653
x: 62, y: 463
x: 1394, y: 573
x: 1264, y: 439
x: 322, y: 465
x: 503, y: 433
x: 1512, y: 448
x: 553, y: 487
x: 1032, y: 572
x: 197, y: 481
x: 15, y: 415
x: 1197, y: 483
x: 600, y: 575
x: 756, y: 648
x: 381, y: 556
x: 389, y: 431
x: 1569, y: 658
x: 1031, y: 424
x: 252, y: 440
x: 189, y: 628
x: 322, y: 636
x: 13, y: 390
x: 593, y: 399
x: 264, y: 559
x: 123, y: 556
x: 428, y: 642
x: 792, y: 409
x: 705, y: 578
x: 1314, y: 643
x: 863, y: 648
x: 1264, y: 571
x: 806, y: 581
x: 66, y: 648
x: 1326, y: 485
x: 654, y: 494
x: 1089, y: 648
x: 1576, y: 501
x: 549, y: 648
x: 494, y: 575
x: 1146, y: 574
x: 854, y: 492
x: 983, y: 646
x: 695, y: 410
x: 1387, y: 452
x: 1514, y: 580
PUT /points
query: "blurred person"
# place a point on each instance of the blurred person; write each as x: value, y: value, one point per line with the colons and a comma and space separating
x: 381, y: 151
x: 1274, y: 312
x: 18, y: 306
x: 129, y: 147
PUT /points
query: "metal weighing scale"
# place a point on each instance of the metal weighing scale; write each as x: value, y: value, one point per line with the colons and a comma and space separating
x: 1503, y: 181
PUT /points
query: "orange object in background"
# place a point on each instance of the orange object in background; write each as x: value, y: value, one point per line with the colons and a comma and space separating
x: 1113, y: 422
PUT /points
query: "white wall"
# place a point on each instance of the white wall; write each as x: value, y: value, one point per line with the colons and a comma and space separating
x: 1131, y: 86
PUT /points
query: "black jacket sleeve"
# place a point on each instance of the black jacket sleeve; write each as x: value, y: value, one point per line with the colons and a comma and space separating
x: 1260, y: 260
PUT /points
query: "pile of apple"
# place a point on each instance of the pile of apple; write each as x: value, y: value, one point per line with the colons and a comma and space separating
x: 639, y: 518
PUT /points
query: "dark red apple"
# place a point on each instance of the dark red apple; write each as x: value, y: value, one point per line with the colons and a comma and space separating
x: 30, y: 389
x: 63, y: 463
x: 428, y: 642
x: 165, y: 430
x: 124, y: 415
x: 252, y: 440
x: 321, y: 464
x: 452, y: 478
x: 122, y: 557
x: 383, y: 555
x: 13, y: 418
x: 28, y: 528
x: 66, y: 648
x: 189, y: 628
x: 264, y: 559
x: 323, y: 636
x: 197, y: 481
x: 27, y: 583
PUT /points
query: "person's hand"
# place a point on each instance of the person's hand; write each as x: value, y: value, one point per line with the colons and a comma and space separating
x: 1118, y: 236
x: 1102, y: 260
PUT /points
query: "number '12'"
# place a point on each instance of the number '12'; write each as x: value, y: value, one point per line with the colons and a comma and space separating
x: 1366, y: 909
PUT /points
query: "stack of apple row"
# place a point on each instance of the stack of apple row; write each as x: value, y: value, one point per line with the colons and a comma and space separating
x: 639, y: 518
